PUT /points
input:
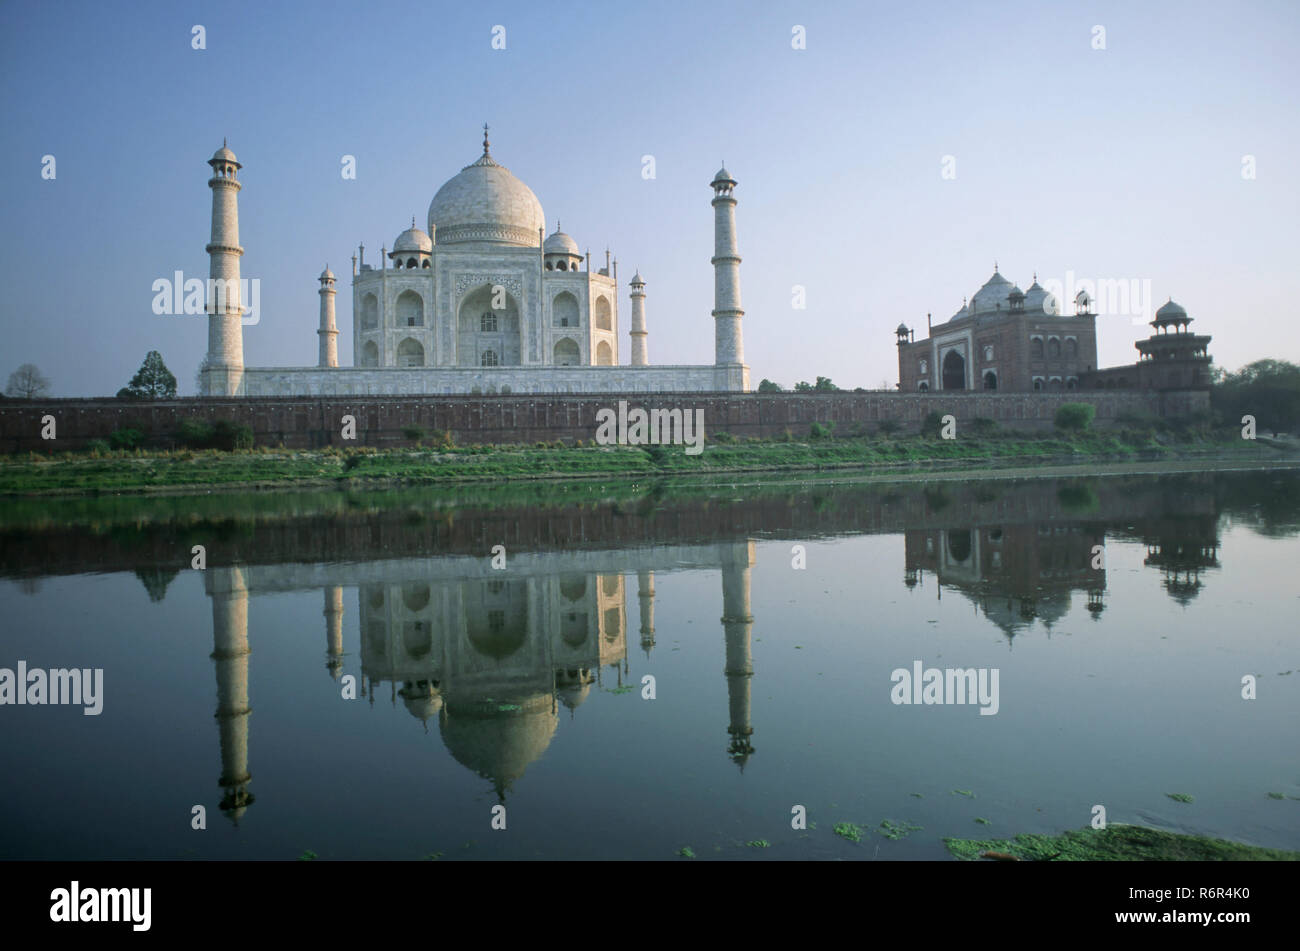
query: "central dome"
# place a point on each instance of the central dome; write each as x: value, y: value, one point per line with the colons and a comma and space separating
x: 485, y: 203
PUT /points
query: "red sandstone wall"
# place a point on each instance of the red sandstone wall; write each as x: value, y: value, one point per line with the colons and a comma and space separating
x: 311, y: 422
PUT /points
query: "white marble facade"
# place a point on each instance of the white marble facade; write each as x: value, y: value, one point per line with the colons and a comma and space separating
x: 485, y: 301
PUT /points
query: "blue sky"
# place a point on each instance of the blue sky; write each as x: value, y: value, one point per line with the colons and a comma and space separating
x: 1123, y: 163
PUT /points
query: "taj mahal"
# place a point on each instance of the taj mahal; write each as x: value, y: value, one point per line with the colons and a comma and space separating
x: 483, y: 301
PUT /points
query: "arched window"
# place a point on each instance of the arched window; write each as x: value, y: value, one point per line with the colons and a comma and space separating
x: 1072, y: 383
x: 410, y: 262
x: 924, y: 387
x: 1054, y: 349
x: 489, y: 358
x: 990, y: 380
x: 602, y: 314
x: 425, y: 265
x: 488, y: 323
x: 1054, y: 384
x: 564, y: 310
x: 567, y: 353
x: 370, y: 354
x: 562, y: 266
x: 410, y: 310
x: 1036, y: 348
x: 1038, y: 383
x: 1071, y: 348
x: 410, y: 353
x: 369, y: 312
x: 604, y: 354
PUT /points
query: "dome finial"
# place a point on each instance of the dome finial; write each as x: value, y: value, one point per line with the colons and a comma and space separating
x: 412, y: 221
x: 485, y: 138
x: 995, y: 265
x: 223, y: 142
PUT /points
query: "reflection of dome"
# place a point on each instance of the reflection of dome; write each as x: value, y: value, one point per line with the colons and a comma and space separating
x: 574, y: 686
x: 421, y: 698
x: 499, y: 739
x: 486, y: 203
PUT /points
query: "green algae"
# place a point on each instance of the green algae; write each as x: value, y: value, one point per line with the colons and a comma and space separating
x: 686, y: 852
x: 982, y: 821
x: 897, y: 830
x: 963, y: 792
x: 1179, y: 797
x: 759, y: 844
x: 849, y: 830
x: 1118, y: 842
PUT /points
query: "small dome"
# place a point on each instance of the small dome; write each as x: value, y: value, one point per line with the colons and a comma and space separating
x: 224, y: 154
x: 723, y: 176
x: 560, y: 243
x: 413, y: 239
x: 636, y: 279
x: 1171, y: 311
x: 1016, y: 291
x: 327, y: 274
x: 1038, y: 299
x: 902, y: 329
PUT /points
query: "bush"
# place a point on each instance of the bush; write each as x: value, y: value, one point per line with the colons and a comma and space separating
x: 983, y: 426
x: 414, y: 433
x: 821, y: 430
x: 1074, y: 417
x: 723, y: 437
x: 229, y: 436
x: 195, y: 434
x: 130, y: 438
x: 889, y: 426
x: 932, y: 424
x: 97, y: 446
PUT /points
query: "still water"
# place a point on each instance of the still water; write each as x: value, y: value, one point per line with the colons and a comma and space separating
x: 1119, y: 615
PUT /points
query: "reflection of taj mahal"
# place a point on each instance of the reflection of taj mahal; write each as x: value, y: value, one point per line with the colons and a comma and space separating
x: 483, y: 301
x: 489, y: 656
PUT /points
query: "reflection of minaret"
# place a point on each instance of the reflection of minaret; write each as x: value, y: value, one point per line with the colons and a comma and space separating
x: 334, y: 630
x: 645, y: 592
x: 229, y: 594
x: 737, y: 625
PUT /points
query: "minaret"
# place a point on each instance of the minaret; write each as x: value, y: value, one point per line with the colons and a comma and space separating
x: 229, y: 592
x: 334, y: 630
x: 639, y: 356
x: 729, y: 345
x: 223, y: 372
x: 738, y: 626
x: 329, y: 332
x: 645, y: 593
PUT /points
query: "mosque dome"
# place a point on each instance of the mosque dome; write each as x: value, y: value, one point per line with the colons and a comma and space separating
x: 560, y: 243
x: 485, y: 203
x: 1037, y: 298
x: 1170, y: 310
x: 413, y: 239
x: 902, y: 329
x: 994, y: 295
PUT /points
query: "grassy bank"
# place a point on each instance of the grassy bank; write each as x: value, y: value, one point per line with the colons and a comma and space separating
x: 146, y: 471
x: 1115, y: 843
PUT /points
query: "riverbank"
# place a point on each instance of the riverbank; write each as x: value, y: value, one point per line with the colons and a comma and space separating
x: 1116, y: 843
x: 188, y: 471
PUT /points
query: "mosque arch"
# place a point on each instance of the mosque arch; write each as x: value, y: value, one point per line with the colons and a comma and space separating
x: 990, y: 380
x: 604, y: 354
x: 954, y: 371
x: 489, y: 359
x: 567, y: 353
x: 410, y: 353
x: 959, y: 545
x: 564, y: 311
x: 410, y: 309
x: 924, y: 387
x: 604, y: 320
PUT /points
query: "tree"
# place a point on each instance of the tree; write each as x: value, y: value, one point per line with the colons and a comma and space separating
x: 767, y: 386
x: 153, y: 381
x: 27, y: 383
x: 1074, y: 417
x: 1269, y: 390
x: 824, y: 385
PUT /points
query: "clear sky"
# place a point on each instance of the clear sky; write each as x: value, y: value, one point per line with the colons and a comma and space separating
x: 1122, y: 163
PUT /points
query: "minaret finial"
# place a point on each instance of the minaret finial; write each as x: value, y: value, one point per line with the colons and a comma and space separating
x: 412, y: 221
x: 223, y: 141
x: 485, y: 138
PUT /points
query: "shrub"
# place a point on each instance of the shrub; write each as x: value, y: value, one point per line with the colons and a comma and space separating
x: 414, y: 433
x: 821, y: 430
x: 723, y: 437
x: 932, y: 424
x: 889, y: 426
x: 229, y: 436
x: 97, y: 446
x: 129, y: 438
x: 983, y: 426
x: 1074, y: 417
x: 195, y: 434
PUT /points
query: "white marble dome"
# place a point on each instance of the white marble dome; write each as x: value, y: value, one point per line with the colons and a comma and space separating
x: 485, y: 203
x: 994, y: 295
x: 413, y: 239
x: 1039, y: 299
x: 560, y: 243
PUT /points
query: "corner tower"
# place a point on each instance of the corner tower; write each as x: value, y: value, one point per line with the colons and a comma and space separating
x: 640, y: 357
x: 223, y: 367
x: 329, y: 332
x: 728, y: 343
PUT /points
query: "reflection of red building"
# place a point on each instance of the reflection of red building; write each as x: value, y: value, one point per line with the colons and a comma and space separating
x: 1182, y: 549
x: 1015, y: 574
